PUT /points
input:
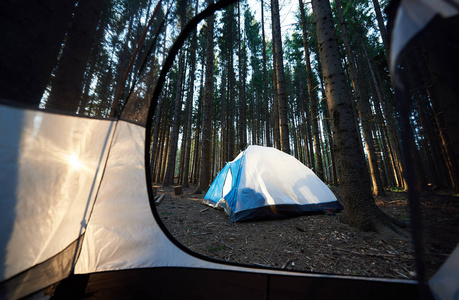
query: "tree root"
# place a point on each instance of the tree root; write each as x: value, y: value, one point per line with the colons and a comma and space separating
x: 375, y: 220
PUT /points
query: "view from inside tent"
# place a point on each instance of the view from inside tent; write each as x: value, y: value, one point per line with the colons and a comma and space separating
x: 312, y: 136
x: 268, y: 86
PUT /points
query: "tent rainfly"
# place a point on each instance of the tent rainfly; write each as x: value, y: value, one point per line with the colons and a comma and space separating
x: 263, y: 182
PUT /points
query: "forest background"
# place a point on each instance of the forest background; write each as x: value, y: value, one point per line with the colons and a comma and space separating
x: 311, y: 79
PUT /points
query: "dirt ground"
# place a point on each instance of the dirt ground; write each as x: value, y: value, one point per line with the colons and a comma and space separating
x: 316, y: 243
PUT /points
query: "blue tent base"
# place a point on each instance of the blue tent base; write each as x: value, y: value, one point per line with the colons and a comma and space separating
x: 281, y: 211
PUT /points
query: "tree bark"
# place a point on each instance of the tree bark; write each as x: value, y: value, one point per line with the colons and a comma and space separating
x: 313, y: 99
x: 170, y: 170
x: 382, y: 28
x: 206, y: 149
x: 360, y: 209
x: 329, y: 131
x: 31, y: 36
x: 282, y: 98
x: 189, y: 112
x: 265, y: 81
x: 363, y: 109
x: 67, y: 85
x: 242, y: 126
x: 197, y: 139
x: 439, y: 45
x: 275, y: 108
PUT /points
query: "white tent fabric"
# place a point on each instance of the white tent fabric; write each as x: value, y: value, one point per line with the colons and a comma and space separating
x: 51, y: 165
x: 281, y: 178
x: 122, y: 233
x: 412, y: 17
x: 445, y: 283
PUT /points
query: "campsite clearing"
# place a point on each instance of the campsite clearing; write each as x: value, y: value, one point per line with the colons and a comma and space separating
x: 315, y: 243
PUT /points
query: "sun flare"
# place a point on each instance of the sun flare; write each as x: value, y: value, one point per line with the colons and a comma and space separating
x: 74, y: 161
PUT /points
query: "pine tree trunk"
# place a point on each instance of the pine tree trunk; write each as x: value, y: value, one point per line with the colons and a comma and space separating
x: 265, y: 80
x: 154, y: 148
x: 164, y: 151
x: 384, y: 144
x: 170, y: 170
x: 282, y: 97
x: 440, y: 50
x: 206, y: 149
x: 382, y: 28
x: 313, y: 99
x: 360, y: 209
x: 67, y: 85
x: 91, y: 71
x: 230, y: 95
x: 275, y: 115
x: 363, y: 109
x: 242, y: 126
x: 31, y: 37
x: 223, y: 116
x: 329, y: 136
x: 197, y: 142
x: 394, y: 142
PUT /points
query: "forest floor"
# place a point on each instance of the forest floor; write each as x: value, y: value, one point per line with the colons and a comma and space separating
x: 313, y: 243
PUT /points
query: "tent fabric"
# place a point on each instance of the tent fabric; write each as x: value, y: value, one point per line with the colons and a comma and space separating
x: 445, y: 283
x: 50, y: 166
x: 122, y: 232
x: 268, y: 183
x: 413, y: 16
x: 44, y: 274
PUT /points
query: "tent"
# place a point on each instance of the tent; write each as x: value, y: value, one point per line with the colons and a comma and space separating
x: 76, y: 216
x: 263, y: 182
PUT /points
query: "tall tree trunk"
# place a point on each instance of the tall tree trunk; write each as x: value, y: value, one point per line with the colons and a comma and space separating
x: 165, y: 150
x: 157, y: 117
x: 304, y: 126
x: 313, y: 99
x: 230, y: 93
x: 223, y: 116
x: 31, y: 36
x: 440, y: 50
x: 329, y: 132
x: 382, y: 28
x: 205, y: 171
x: 67, y: 85
x: 242, y: 127
x: 388, y: 159
x: 159, y: 155
x: 360, y: 209
x: 155, y: 136
x: 170, y: 170
x: 282, y: 97
x: 363, y: 109
x: 265, y: 81
x: 394, y: 144
x: 275, y: 114
x: 197, y: 142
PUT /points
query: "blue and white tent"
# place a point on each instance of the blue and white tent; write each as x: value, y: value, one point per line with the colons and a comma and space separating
x: 263, y: 182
